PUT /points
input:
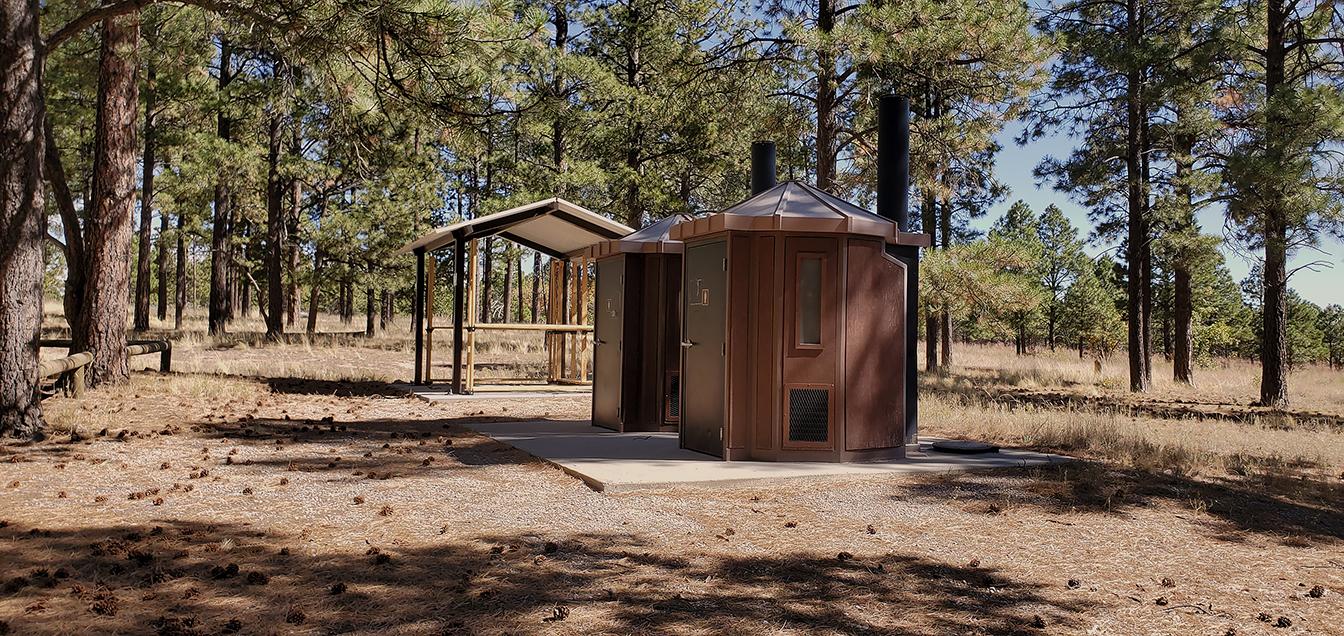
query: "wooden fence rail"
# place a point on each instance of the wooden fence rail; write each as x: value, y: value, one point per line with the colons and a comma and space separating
x: 72, y: 365
x: 133, y: 348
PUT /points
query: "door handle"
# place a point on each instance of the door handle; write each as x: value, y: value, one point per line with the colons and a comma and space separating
x: 600, y: 341
x: 687, y: 344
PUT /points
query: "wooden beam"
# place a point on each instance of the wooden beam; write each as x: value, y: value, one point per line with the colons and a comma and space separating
x: 459, y: 308
x: 429, y: 320
x: 418, y: 308
x: 473, y: 297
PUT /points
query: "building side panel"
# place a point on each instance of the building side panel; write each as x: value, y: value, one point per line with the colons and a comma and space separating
x: 874, y: 349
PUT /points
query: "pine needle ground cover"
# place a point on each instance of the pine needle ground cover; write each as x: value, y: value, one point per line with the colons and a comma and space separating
x: 205, y: 504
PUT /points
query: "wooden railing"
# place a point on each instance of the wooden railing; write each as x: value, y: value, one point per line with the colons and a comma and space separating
x: 72, y: 366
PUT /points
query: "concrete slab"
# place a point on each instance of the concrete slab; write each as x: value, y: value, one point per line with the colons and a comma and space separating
x: 442, y: 392
x: 616, y: 462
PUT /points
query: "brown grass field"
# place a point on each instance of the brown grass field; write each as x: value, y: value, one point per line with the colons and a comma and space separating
x: 286, y: 489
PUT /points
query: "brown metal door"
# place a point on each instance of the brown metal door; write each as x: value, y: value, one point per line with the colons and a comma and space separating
x: 608, y: 327
x: 703, y: 380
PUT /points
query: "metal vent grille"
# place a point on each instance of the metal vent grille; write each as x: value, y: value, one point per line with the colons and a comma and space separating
x: 674, y: 396
x: 809, y: 415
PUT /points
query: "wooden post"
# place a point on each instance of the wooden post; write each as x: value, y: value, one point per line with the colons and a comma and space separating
x: 571, y: 318
x: 418, y: 308
x: 429, y: 321
x: 459, y: 309
x: 554, y: 287
x: 581, y: 360
x: 77, y: 381
x: 166, y: 357
x: 473, y: 298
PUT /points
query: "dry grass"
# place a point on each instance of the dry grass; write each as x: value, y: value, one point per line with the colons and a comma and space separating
x: 1222, y: 381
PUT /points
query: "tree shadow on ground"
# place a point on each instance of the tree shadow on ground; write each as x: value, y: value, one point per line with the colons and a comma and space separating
x: 1292, y: 510
x: 183, y: 577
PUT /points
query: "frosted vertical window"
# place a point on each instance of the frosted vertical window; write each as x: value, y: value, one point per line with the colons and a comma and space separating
x: 809, y: 300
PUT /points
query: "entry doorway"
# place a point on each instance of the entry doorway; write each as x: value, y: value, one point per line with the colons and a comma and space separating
x: 608, y: 327
x: 704, y: 370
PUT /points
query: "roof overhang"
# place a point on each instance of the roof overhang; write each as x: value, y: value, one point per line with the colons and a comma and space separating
x: 553, y: 226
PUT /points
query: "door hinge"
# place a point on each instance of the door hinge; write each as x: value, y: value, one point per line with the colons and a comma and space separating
x: 725, y: 264
x: 720, y: 433
x: 724, y: 350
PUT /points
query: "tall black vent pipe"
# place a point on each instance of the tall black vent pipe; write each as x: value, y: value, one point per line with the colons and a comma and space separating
x: 893, y: 202
x: 893, y: 159
x: 762, y: 166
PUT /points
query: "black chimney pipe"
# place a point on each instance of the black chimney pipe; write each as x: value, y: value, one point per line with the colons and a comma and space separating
x: 893, y: 159
x: 762, y: 166
x: 893, y: 202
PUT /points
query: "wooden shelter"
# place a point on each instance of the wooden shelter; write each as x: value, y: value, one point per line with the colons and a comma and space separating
x: 636, y: 362
x: 555, y: 227
x: 795, y: 323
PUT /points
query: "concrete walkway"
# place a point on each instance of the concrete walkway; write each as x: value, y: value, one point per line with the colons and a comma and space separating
x: 615, y: 462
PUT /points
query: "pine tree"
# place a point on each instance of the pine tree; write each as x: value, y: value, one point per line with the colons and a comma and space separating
x: 1288, y: 109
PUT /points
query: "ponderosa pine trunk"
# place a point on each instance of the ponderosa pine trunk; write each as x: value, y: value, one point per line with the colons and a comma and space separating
x: 945, y: 316
x: 222, y: 221
x: 1274, y: 360
x: 22, y: 218
x: 314, y: 286
x: 180, y: 303
x: 142, y: 267
x: 1183, y: 343
x: 101, y: 328
x: 276, y: 224
x: 1137, y: 230
x: 827, y: 123
x: 70, y: 223
x: 369, y: 310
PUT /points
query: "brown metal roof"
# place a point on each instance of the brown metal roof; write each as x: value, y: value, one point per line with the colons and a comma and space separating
x: 552, y: 226
x: 796, y: 206
x: 654, y: 238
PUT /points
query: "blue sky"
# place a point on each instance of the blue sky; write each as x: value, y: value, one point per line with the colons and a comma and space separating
x: 1015, y: 163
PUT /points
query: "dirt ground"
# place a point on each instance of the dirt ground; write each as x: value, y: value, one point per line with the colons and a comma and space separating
x: 259, y: 506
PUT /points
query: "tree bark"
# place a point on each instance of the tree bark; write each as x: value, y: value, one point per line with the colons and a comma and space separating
x: 22, y: 218
x: 70, y: 222
x: 220, y: 265
x: 826, y: 99
x: 1274, y: 361
x: 101, y: 329
x: 276, y: 224
x: 142, y: 266
x: 369, y: 308
x: 945, y: 229
x: 181, y: 300
x: 1137, y: 229
x: 313, y: 288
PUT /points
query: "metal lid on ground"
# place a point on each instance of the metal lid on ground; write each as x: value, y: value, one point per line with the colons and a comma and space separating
x: 653, y: 239
x: 963, y: 447
x: 552, y: 226
x: 797, y: 207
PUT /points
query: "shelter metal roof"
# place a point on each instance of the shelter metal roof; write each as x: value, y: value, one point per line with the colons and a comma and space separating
x: 551, y: 226
x: 654, y: 238
x: 796, y: 206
